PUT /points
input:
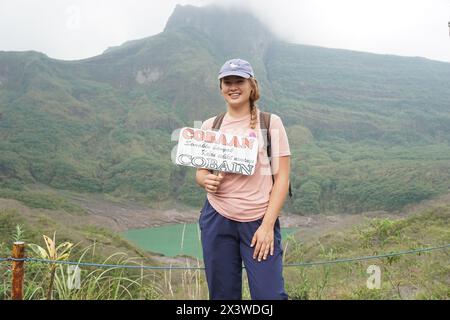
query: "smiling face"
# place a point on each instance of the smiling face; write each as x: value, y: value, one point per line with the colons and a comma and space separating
x: 236, y: 91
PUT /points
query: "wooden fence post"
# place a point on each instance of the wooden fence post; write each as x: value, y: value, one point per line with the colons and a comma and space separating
x: 18, y: 252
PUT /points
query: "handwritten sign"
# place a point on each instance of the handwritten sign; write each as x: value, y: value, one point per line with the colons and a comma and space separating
x: 216, y: 150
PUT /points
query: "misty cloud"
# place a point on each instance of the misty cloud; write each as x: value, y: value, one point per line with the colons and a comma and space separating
x: 80, y: 28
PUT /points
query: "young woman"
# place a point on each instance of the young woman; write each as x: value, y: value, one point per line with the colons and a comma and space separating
x: 239, y: 220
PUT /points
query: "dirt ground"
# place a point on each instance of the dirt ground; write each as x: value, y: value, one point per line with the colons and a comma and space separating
x: 128, y: 215
x: 124, y: 216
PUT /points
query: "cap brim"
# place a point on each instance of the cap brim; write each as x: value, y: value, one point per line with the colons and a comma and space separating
x: 234, y: 73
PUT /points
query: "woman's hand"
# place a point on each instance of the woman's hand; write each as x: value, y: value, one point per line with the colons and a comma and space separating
x: 264, y: 241
x: 212, y: 182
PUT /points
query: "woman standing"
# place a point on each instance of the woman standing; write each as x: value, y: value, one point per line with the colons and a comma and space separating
x: 239, y: 220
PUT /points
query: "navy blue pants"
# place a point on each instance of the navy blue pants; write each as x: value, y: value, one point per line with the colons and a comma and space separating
x: 226, y: 244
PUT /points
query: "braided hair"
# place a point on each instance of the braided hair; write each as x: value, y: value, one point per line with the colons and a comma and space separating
x: 254, y: 95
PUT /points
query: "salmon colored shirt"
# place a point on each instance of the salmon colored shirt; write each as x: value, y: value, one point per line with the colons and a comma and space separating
x: 246, y: 198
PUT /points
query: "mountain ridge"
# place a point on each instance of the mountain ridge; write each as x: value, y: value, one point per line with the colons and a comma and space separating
x: 104, y: 124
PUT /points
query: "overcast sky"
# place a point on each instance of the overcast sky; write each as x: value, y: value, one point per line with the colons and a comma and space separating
x: 79, y: 29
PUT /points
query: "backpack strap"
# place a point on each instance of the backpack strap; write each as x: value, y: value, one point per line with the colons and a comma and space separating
x: 265, y: 125
x: 216, y: 126
x: 218, y: 121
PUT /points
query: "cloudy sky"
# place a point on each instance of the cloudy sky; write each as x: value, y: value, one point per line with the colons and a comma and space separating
x: 76, y: 29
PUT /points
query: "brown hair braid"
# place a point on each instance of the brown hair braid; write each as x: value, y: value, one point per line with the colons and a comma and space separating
x: 254, y: 95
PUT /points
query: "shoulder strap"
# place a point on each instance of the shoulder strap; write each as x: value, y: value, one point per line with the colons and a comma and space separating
x: 218, y: 121
x: 265, y: 124
x: 216, y: 126
x: 265, y: 119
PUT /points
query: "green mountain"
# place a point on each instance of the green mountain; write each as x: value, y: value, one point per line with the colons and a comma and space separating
x: 367, y: 131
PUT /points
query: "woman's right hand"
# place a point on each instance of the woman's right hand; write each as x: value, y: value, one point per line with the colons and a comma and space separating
x: 212, y: 182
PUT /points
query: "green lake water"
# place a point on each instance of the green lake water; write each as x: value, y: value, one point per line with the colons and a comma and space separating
x: 173, y: 240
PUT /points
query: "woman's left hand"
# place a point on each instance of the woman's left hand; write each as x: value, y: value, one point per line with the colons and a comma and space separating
x: 264, y: 241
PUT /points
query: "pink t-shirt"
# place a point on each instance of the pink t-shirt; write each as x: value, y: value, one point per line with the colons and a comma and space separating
x: 246, y: 198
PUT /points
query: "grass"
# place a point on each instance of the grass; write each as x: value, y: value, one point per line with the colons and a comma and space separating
x: 412, y: 276
x: 41, y: 200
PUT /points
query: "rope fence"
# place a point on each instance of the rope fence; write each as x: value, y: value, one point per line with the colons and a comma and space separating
x: 18, y: 259
x: 301, y: 264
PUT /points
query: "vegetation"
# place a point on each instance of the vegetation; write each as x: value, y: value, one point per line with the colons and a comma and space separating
x: 413, y: 276
x: 366, y: 131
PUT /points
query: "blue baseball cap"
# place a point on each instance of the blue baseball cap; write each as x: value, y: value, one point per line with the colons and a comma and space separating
x: 236, y: 67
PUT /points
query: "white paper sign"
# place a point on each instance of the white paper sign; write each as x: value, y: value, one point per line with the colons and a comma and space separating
x: 216, y: 150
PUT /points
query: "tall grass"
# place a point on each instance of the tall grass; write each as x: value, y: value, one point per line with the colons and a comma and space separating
x: 412, y: 276
x: 113, y: 283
